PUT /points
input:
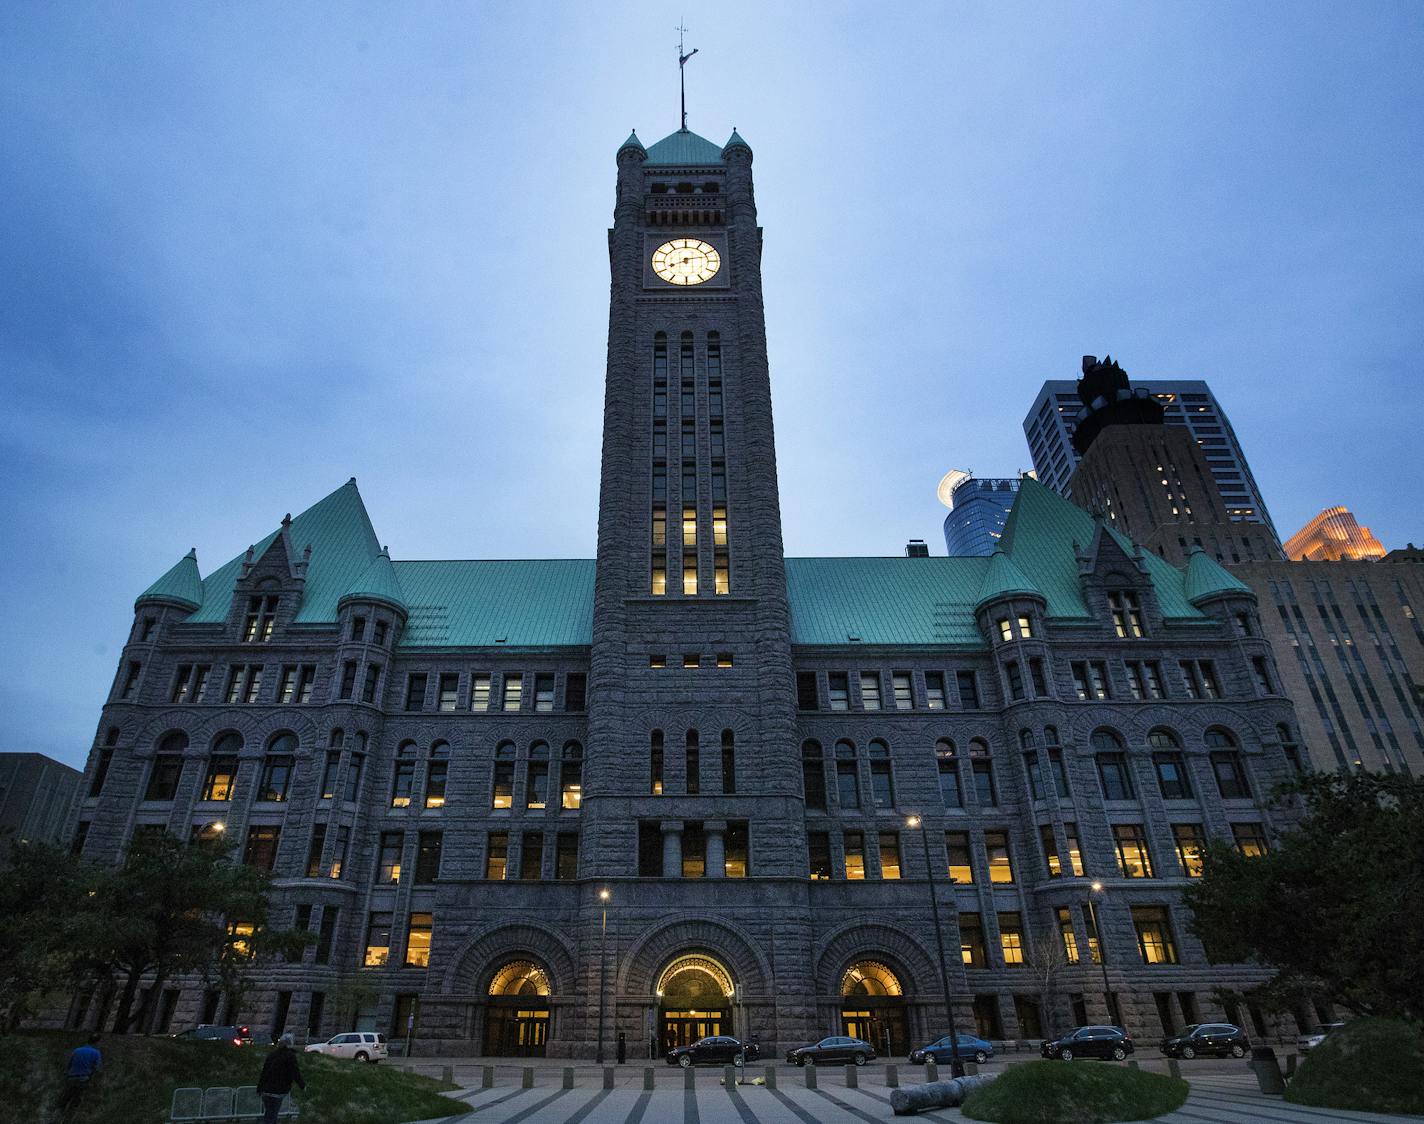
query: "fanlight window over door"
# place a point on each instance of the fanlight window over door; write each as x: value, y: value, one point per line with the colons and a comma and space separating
x: 520, y: 977
x: 869, y: 978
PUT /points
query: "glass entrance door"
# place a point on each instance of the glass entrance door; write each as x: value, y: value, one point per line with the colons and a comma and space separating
x: 883, y: 1026
x: 682, y: 1028
x: 516, y: 1032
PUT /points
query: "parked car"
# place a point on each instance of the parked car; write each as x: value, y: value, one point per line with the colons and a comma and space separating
x: 1089, y: 1042
x: 1307, y: 1042
x: 361, y: 1045
x: 716, y: 1049
x: 831, y: 1050
x: 1219, y: 1039
x: 209, y: 1032
x: 971, y: 1049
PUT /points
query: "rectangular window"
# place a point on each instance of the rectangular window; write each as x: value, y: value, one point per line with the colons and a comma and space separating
x: 353, y: 777
x: 855, y: 855
x: 1060, y: 773
x: 1230, y: 775
x: 1035, y: 786
x: 1006, y: 630
x: 417, y: 940
x: 348, y: 679
x: 1114, y: 775
x: 1040, y: 681
x: 436, y: 778
x: 659, y: 576
x: 306, y: 683
x: 571, y: 779
x: 689, y: 574
x: 1011, y: 939
x: 536, y: 788
x: 287, y: 689
x: 502, y: 791
x: 984, y: 784
x: 1126, y: 614
x: 807, y: 697
x: 691, y: 659
x: 971, y: 941
x: 882, y: 786
x: 338, y: 856
x: 889, y: 854
x: 254, y: 684
x: 1065, y: 931
x: 576, y: 692
x: 513, y: 692
x: 839, y: 690
x: 181, y: 683
x: 222, y: 773
x: 358, y: 629
x: 378, y: 636
x: 813, y: 778
x: 961, y: 861
x: 1015, y: 676
x: 566, y: 856
x: 1210, y: 688
x: 655, y: 764
x: 949, y: 790
x: 373, y: 678
x: 277, y: 769
x: 1154, y: 934
x: 996, y: 846
x: 1250, y: 839
x: 729, y: 764
x: 934, y: 690
x: 1155, y: 689
x: 427, y: 858
x: 1172, y: 776
x: 1050, y: 850
x: 694, y: 851
x: 848, y: 784
x: 378, y: 940
x: 403, y: 782
x: 544, y: 693
x: 479, y: 692
x: 531, y: 856
x: 968, y: 686
x: 719, y: 527
x: 496, y: 856
x: 694, y: 764
x: 314, y: 849
x: 736, y: 858
x: 1025, y: 627
x: 326, y: 933
x: 261, y: 849
x: 261, y: 615
x: 449, y: 692
x: 818, y: 850
x: 1130, y: 841
x: 1190, y: 841
x: 870, y: 690
x: 388, y: 862
x: 650, y: 850
x: 1075, y: 849
x: 1136, y: 684
x: 689, y: 526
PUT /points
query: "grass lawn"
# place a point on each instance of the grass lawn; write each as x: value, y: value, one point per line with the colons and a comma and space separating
x: 1370, y: 1065
x: 140, y: 1074
x: 1082, y: 1092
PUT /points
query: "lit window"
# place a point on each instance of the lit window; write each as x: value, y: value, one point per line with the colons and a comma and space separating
x: 870, y: 690
x: 378, y: 940
x: 479, y: 692
x: 689, y: 526
x: 513, y: 692
x: 996, y: 844
x: 855, y: 855
x: 1011, y: 939
x: 961, y: 863
x: 1190, y: 841
x: 689, y: 574
x: 1250, y: 839
x: 719, y: 526
x: 1130, y: 840
x: 1154, y: 934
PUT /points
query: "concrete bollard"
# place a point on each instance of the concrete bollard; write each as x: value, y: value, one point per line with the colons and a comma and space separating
x: 607, y: 1076
x: 1174, y: 1067
x: 689, y: 1078
x: 729, y: 1075
x: 1291, y: 1060
x: 568, y: 1077
x: 527, y: 1080
x: 892, y: 1077
x: 647, y: 1078
x: 970, y: 1069
x: 447, y: 1074
x: 931, y: 1071
x: 770, y: 1072
x: 810, y: 1075
x: 486, y: 1077
x: 852, y: 1078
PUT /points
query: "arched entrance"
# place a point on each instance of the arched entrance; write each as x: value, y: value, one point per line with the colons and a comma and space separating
x: 517, y: 1019
x: 873, y: 1007
x: 695, y: 999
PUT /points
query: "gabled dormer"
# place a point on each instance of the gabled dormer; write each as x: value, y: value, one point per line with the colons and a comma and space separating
x: 269, y: 588
x: 1117, y: 585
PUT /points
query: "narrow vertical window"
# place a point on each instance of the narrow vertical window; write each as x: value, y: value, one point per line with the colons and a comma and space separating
x: 513, y: 692
x: 544, y: 693
x: 496, y: 856
x: 479, y: 692
x: 536, y: 784
x: 689, y: 574
x: 949, y: 790
x: 904, y: 694
x: 655, y: 764
x: 847, y: 776
x: 813, y: 776
x: 934, y: 690
x: 437, y: 775
x: 571, y: 777
x: 818, y: 853
x: 855, y: 855
x: 1001, y: 867
x: 729, y: 763
x: 960, y: 858
x: 449, y: 692
x: 870, y: 690
x: 418, y: 940
x: 889, y: 855
x: 694, y: 764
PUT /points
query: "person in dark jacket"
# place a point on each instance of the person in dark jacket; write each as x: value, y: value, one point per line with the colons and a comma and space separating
x: 279, y: 1074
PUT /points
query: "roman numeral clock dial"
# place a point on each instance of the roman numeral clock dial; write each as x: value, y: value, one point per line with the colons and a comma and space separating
x: 686, y: 261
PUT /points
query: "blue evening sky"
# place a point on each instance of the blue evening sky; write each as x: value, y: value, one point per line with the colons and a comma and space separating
x: 249, y: 250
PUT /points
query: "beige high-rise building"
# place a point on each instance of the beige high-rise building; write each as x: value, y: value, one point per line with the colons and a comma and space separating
x: 1333, y: 536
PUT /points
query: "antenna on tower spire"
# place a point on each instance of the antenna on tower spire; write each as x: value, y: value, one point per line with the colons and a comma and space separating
x: 681, y: 77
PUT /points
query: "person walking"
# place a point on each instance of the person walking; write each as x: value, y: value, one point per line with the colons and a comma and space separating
x: 84, y: 1062
x: 279, y: 1074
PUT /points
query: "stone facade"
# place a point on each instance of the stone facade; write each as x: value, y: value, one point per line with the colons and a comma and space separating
x: 735, y: 766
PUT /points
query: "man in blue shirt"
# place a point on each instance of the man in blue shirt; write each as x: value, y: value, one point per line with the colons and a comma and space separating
x: 84, y: 1063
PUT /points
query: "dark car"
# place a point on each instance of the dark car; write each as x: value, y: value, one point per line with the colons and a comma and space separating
x: 1089, y: 1042
x: 237, y: 1035
x: 717, y: 1049
x: 831, y: 1050
x: 971, y: 1049
x: 1218, y: 1039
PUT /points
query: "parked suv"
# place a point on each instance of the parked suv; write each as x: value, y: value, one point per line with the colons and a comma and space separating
x: 1307, y: 1042
x: 361, y: 1045
x: 1089, y: 1042
x: 1219, y: 1039
x: 237, y: 1035
x: 717, y: 1049
x: 831, y: 1050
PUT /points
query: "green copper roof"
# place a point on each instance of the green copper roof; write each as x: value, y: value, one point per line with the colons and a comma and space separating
x: 683, y: 147
x: 631, y: 142
x: 884, y: 600
x: 1207, y: 578
x: 532, y: 603
x: 343, y: 544
x: 1004, y: 579
x: 736, y: 138
x: 378, y: 583
x: 181, y: 583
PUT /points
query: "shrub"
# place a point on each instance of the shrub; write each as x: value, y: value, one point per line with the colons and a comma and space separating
x: 1370, y: 1065
x: 1051, y: 1092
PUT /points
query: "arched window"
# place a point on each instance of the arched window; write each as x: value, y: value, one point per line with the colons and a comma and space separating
x: 403, y: 782
x: 729, y: 763
x: 337, y: 738
x: 1113, y: 771
x: 222, y: 767
x: 813, y: 775
x: 536, y: 781
x: 1026, y: 739
x: 847, y: 776
x: 655, y: 763
x: 870, y: 979
x: 167, y: 767
x: 1226, y: 763
x: 949, y: 790
x: 438, y: 775
x: 694, y: 764
x: 571, y: 776
x: 521, y: 978
x: 982, y: 768
x: 882, y: 782
x: 502, y: 790
x: 1172, y: 776
x: 277, y: 767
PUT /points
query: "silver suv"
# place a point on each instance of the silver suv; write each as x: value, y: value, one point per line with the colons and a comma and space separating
x: 361, y: 1045
x: 1307, y: 1042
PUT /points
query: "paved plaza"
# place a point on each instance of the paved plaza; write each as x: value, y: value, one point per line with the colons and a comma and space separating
x: 1222, y: 1093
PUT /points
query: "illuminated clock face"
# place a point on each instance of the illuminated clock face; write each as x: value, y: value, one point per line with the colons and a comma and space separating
x: 686, y: 261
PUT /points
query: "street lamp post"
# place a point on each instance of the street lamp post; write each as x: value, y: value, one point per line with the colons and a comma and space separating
x: 1108, y: 997
x: 603, y: 896
x: 956, y: 1066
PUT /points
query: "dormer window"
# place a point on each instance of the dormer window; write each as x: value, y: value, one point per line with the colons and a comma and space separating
x: 261, y: 616
x: 1126, y: 614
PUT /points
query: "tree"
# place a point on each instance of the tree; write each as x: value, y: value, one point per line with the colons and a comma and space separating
x: 1334, y: 907
x: 1045, y: 962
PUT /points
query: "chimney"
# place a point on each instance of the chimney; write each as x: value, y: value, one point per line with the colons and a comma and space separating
x: 916, y: 548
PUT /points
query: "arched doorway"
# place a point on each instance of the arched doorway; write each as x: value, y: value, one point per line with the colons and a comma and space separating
x: 873, y: 1007
x: 695, y: 996
x: 517, y: 1019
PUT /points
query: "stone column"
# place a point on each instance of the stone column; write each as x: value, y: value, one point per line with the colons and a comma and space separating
x: 672, y: 848
x: 716, y: 831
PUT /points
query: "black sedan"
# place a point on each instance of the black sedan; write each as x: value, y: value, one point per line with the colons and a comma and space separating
x: 1089, y: 1042
x: 1219, y: 1039
x: 829, y: 1051
x: 718, y: 1049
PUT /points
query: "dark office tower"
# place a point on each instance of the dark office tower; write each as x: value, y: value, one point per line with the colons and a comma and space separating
x: 1150, y: 480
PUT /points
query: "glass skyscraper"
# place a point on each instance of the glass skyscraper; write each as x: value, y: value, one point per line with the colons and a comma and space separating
x: 978, y: 510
